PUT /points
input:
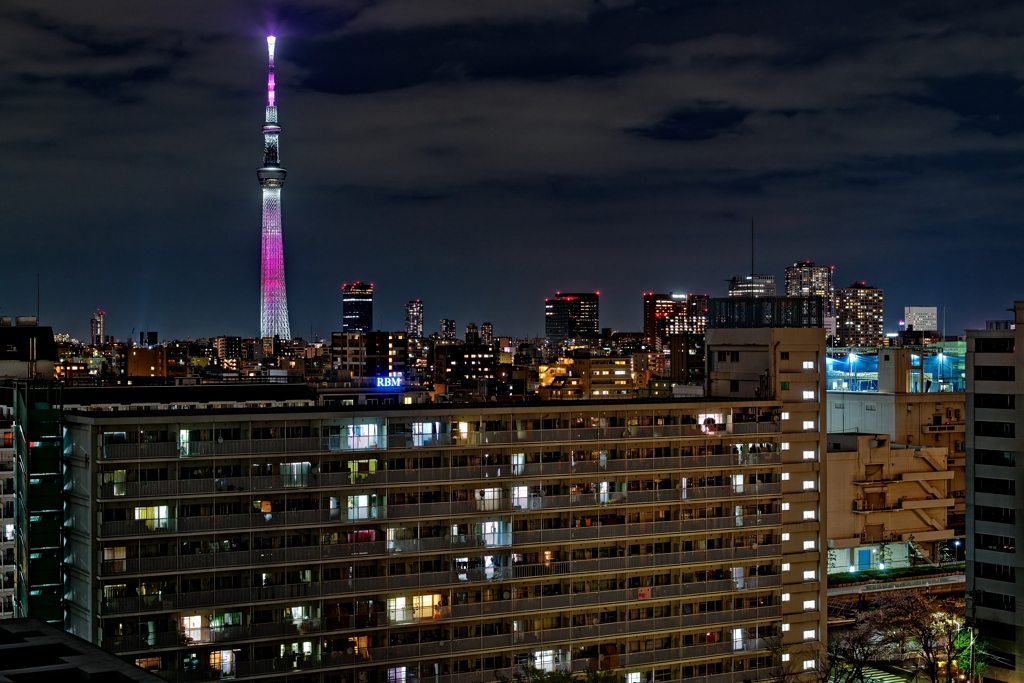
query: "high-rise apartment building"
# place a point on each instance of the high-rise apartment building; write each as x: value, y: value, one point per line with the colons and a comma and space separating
x: 994, y: 373
x: 860, y: 315
x: 752, y: 285
x: 414, y: 319
x: 472, y: 334
x: 804, y: 278
x: 96, y: 329
x: 8, y: 565
x: 447, y: 329
x: 357, y: 307
x: 921, y: 318
x: 273, y: 296
x: 571, y: 315
x: 264, y: 535
x: 486, y: 334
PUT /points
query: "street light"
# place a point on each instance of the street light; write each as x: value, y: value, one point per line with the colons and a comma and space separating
x: 853, y: 372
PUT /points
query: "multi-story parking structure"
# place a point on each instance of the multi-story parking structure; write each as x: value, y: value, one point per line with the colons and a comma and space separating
x: 439, y: 543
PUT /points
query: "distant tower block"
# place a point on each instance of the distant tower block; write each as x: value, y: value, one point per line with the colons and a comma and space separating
x: 273, y: 297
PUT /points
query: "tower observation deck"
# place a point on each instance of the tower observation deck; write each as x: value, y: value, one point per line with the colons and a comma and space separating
x: 273, y: 297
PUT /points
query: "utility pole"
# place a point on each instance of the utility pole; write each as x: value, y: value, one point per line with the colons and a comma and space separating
x: 973, y: 594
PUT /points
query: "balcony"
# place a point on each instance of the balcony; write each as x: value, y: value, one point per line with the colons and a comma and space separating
x: 392, y: 442
x: 192, y: 487
x: 167, y: 602
x: 318, y: 553
x: 598, y: 501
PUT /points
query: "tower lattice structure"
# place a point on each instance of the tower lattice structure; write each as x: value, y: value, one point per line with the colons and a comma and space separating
x: 273, y: 297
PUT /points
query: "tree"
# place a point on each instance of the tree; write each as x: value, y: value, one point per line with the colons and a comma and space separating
x: 531, y: 674
x: 931, y: 631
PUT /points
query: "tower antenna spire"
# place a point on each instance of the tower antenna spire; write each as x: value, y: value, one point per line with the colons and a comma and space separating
x: 273, y: 296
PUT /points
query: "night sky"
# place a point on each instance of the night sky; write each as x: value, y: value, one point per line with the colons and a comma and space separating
x: 481, y: 155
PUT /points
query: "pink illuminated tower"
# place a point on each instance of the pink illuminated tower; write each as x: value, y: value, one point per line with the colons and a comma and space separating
x: 273, y: 298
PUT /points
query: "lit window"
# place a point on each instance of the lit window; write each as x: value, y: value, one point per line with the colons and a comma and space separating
x: 808, y: 455
x: 808, y: 545
x: 785, y: 566
x: 785, y: 657
x: 785, y: 506
x: 808, y: 604
x: 808, y: 484
x: 809, y: 663
x: 809, y: 395
x: 785, y: 416
x: 808, y: 424
x: 808, y: 365
x: 785, y: 597
x: 785, y: 476
x: 785, y: 535
x: 809, y: 635
x: 808, y: 514
x: 809, y: 575
x: 785, y: 628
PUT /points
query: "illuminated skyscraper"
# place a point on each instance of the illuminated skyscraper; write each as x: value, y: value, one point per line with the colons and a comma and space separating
x: 273, y: 298
x: 570, y: 316
x: 752, y: 285
x: 803, y: 278
x: 860, y: 309
x: 414, y: 319
x: 357, y: 305
x: 447, y: 329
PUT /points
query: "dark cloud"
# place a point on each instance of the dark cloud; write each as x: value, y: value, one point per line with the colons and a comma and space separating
x: 479, y: 156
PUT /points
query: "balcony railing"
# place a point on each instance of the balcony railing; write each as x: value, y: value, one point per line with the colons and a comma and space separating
x: 598, y: 501
x: 317, y: 553
x: 191, y: 487
x: 176, y: 601
x: 191, y: 449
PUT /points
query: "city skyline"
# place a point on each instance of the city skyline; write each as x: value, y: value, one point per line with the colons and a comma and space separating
x: 706, y: 141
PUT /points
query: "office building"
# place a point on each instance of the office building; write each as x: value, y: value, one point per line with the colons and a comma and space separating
x: 462, y: 366
x: 860, y: 315
x: 690, y: 314
x: 659, y: 310
x: 149, y: 338
x: 273, y: 295
x: 364, y: 356
x: 571, y: 316
x: 803, y: 278
x: 262, y: 535
x: 357, y: 307
x: 921, y: 318
x: 486, y: 334
x: 752, y: 285
x: 414, y: 319
x: 447, y: 329
x: 96, y: 329
x: 472, y: 334
x: 993, y: 476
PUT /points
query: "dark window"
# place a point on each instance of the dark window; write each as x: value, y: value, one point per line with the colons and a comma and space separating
x: 994, y: 373
x: 734, y: 385
x: 996, y: 572
x: 989, y: 513
x: 995, y: 629
x: 1003, y: 660
x: 723, y: 356
x: 1001, y: 429
x: 1005, y: 487
x: 784, y: 355
x: 995, y: 401
x: 734, y: 356
x: 1006, y: 603
x: 1002, y: 544
x: 997, y: 458
x: 994, y: 345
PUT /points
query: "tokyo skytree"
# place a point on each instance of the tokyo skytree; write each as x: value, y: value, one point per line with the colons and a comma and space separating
x: 273, y: 298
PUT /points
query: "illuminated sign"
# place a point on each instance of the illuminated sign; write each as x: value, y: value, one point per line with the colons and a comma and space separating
x: 389, y: 382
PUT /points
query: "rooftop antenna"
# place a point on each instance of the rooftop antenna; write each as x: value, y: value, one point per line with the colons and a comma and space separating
x: 751, y: 250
